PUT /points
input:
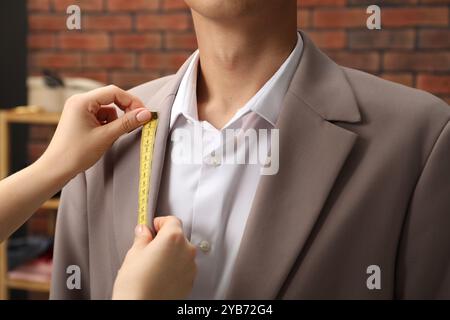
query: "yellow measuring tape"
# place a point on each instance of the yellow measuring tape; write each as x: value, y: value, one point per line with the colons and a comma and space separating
x: 145, y: 167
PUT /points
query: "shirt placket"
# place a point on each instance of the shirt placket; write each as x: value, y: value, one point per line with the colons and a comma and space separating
x: 207, y: 210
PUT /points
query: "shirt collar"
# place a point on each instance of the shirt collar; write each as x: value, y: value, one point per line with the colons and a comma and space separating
x: 266, y: 102
x: 186, y: 99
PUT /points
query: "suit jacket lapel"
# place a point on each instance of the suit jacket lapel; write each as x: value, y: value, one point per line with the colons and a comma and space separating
x: 312, y: 152
x: 126, y: 166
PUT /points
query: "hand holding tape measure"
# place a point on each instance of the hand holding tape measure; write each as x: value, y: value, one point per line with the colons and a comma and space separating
x: 88, y: 127
x: 144, y: 257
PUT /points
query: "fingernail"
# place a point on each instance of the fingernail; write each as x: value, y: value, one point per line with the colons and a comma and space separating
x: 139, y: 229
x: 144, y: 116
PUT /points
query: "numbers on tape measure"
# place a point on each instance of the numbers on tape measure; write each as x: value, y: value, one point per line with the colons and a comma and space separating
x: 145, y: 167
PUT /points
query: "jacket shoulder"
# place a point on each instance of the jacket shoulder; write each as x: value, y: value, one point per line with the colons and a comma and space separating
x: 146, y: 90
x: 402, y: 119
x: 383, y: 96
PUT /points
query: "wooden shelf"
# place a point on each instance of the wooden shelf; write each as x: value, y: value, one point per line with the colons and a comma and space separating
x: 31, y: 117
x: 28, y: 285
x: 51, y: 204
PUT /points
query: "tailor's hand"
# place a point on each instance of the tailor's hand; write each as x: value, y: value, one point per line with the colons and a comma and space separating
x: 89, y: 125
x: 162, y: 268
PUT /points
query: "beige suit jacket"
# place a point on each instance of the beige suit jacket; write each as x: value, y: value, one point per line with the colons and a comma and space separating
x: 364, y: 179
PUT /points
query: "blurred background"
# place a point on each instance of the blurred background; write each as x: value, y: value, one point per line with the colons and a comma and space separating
x: 129, y: 42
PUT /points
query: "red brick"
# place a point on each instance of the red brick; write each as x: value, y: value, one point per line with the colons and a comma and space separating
x: 434, y: 83
x: 129, y: 79
x: 367, y: 61
x: 409, y: 17
x: 47, y: 22
x: 38, y: 5
x: 172, y: 21
x: 174, y: 4
x: 406, y: 79
x: 435, y: 1
x: 41, y: 41
x: 161, y: 61
x: 85, y: 5
x: 414, y: 39
x: 436, y: 38
x: 110, y: 60
x: 329, y: 39
x: 55, y: 60
x: 137, y: 41
x: 385, y: 39
x: 304, y: 18
x: 108, y: 22
x: 417, y: 61
x: 320, y: 3
x: 132, y: 5
x: 186, y: 41
x: 83, y: 41
x: 340, y: 18
x: 390, y: 17
x: 382, y: 3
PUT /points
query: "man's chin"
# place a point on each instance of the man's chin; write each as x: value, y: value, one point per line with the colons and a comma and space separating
x: 230, y: 9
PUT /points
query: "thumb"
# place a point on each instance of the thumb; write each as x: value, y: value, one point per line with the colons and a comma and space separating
x: 142, y: 236
x: 127, y: 123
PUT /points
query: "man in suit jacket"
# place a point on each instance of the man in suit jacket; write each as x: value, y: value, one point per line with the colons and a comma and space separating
x: 359, y: 207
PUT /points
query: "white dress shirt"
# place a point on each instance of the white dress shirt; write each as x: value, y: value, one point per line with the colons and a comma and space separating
x: 211, y: 195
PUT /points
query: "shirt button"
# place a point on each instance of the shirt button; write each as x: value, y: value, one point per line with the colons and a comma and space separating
x: 215, y: 162
x: 204, y: 246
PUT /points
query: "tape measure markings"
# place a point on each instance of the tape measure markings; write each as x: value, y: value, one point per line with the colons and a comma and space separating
x: 145, y: 167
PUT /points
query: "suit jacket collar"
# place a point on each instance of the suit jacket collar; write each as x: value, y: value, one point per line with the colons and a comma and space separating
x: 323, y: 86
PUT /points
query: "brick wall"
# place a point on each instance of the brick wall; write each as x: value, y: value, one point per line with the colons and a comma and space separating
x: 128, y: 42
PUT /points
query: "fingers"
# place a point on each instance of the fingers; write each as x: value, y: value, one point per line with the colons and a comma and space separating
x: 112, y: 94
x: 142, y: 236
x: 170, y: 230
x: 167, y: 221
x: 126, y: 123
x: 106, y: 114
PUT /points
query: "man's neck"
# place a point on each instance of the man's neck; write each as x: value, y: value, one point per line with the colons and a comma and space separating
x: 237, y: 58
